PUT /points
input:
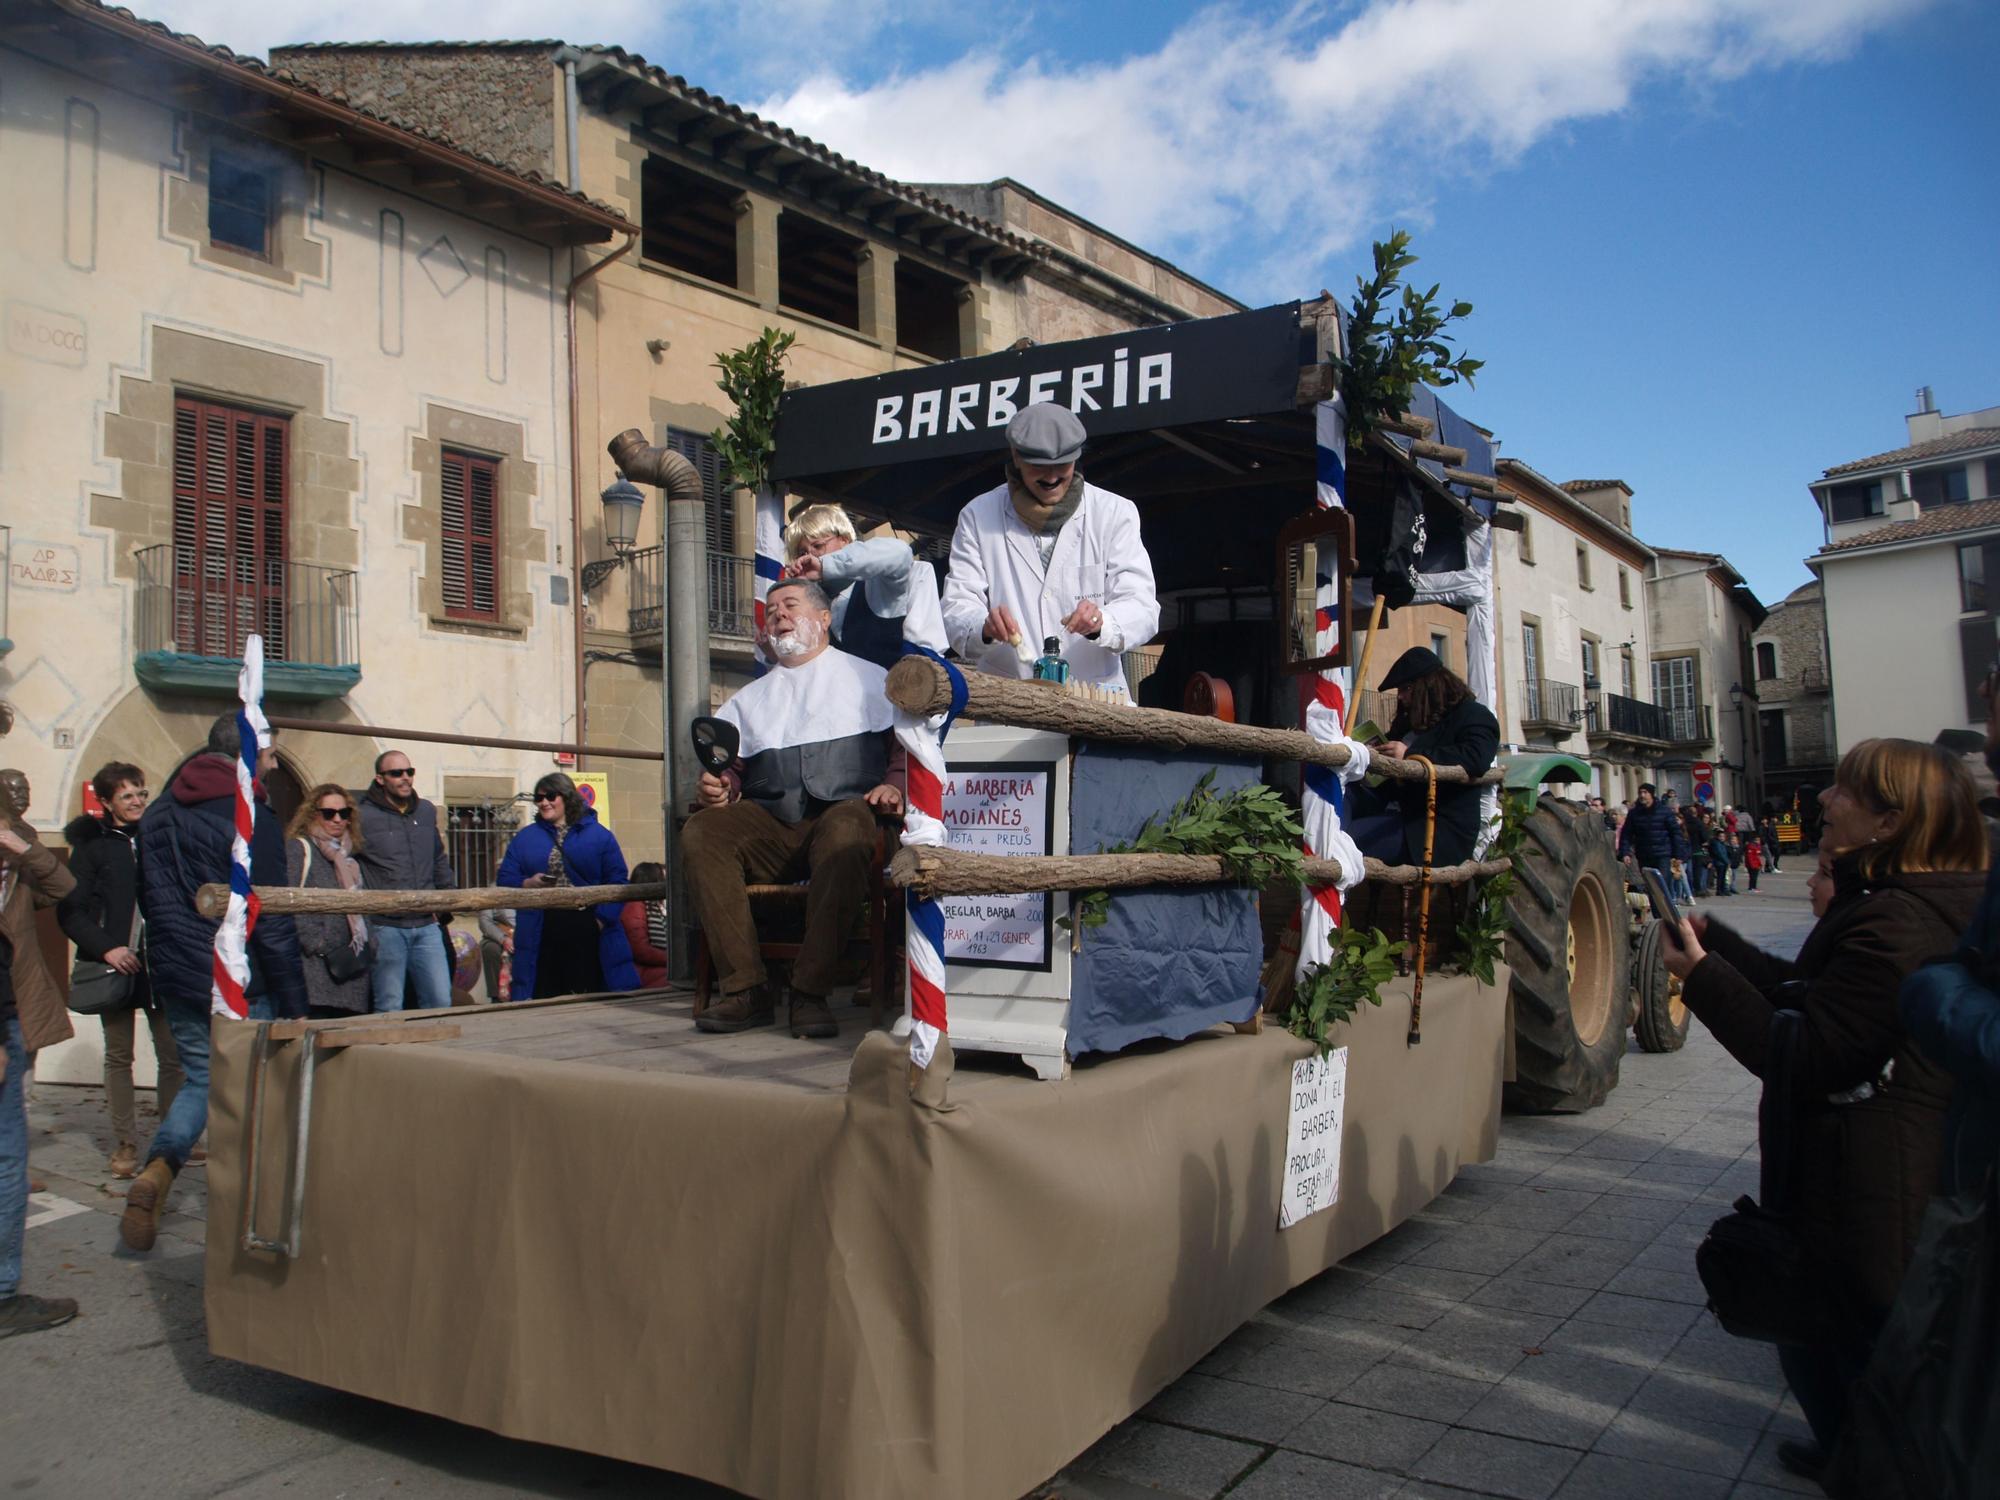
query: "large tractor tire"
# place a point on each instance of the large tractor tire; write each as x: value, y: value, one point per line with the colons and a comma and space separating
x: 1662, y: 1022
x: 1569, y: 945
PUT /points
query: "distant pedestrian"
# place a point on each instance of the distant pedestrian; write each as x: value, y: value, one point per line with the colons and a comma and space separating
x: 101, y: 916
x: 337, y: 949
x: 567, y: 951
x: 184, y: 844
x: 1652, y: 837
x: 1753, y: 859
x: 37, y: 997
x: 401, y: 849
x: 1767, y: 835
x: 1723, y: 882
x: 28, y: 866
x: 1677, y: 885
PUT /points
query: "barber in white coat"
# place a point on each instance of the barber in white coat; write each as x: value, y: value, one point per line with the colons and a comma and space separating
x: 1048, y: 554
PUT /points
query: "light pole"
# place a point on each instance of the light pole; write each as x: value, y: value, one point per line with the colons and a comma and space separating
x: 1742, y: 743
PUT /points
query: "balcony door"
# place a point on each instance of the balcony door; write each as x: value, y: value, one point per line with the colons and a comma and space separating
x: 1674, y: 692
x: 229, y: 529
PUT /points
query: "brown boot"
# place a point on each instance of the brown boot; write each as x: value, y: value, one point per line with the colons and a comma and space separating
x: 812, y: 1017
x: 125, y: 1160
x: 739, y: 1012
x: 144, y: 1200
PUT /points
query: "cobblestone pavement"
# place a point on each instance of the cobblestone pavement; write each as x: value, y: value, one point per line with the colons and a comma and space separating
x: 1536, y: 1332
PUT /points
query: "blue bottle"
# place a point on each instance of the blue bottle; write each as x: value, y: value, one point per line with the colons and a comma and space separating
x: 1050, y: 666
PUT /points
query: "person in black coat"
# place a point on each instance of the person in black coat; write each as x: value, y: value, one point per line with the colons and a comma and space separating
x: 101, y: 916
x: 1652, y: 835
x: 1438, y: 719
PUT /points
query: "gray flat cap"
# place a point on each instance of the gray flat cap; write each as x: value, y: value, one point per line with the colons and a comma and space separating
x: 1046, y: 434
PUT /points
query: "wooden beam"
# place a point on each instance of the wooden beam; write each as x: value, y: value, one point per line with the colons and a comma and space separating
x: 1483, y: 483
x: 920, y: 686
x: 935, y: 872
x: 1407, y: 425
x: 212, y: 900
x: 333, y: 1038
x: 316, y: 133
x: 1168, y: 435
x: 1443, y: 453
x: 374, y: 155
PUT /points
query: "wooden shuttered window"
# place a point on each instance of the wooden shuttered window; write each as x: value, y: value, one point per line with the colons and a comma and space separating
x: 471, y: 540
x: 230, y: 476
x: 718, y: 499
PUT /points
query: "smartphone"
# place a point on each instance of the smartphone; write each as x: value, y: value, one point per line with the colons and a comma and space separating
x: 1663, y: 904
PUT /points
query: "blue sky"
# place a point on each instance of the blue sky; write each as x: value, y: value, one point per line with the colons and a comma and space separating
x: 1713, y: 245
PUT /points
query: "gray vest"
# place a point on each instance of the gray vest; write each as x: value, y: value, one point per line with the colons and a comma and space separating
x: 801, y: 780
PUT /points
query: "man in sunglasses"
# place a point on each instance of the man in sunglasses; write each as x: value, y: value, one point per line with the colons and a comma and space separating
x: 402, y: 849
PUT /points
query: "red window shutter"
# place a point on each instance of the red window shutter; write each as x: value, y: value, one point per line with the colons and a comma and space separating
x: 230, y: 483
x: 470, y: 542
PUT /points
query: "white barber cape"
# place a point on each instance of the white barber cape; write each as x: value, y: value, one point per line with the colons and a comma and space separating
x: 996, y: 559
x: 831, y: 697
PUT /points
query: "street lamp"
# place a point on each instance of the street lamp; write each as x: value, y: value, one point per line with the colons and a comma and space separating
x: 623, y: 502
x: 1742, y: 739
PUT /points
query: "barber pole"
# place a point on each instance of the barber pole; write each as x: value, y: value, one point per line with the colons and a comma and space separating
x: 923, y: 824
x: 231, y: 978
x: 1324, y: 705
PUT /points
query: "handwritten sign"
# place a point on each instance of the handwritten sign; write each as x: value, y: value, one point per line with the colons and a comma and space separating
x: 44, y: 565
x: 998, y: 809
x: 1312, y: 1138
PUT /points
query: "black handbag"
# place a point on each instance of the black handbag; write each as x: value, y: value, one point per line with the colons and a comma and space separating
x: 1763, y: 1280
x: 97, y: 989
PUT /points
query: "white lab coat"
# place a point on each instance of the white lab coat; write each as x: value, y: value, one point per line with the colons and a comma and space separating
x: 1098, y: 556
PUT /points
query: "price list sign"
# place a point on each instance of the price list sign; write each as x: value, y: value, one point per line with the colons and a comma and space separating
x: 998, y: 809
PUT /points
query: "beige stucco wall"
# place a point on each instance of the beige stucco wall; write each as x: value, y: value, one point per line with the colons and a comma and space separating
x: 1892, y: 623
x: 395, y: 326
x: 1693, y: 615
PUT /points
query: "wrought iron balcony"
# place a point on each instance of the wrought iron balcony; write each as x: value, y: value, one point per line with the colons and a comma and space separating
x: 1613, y: 716
x: 198, y: 606
x: 1690, y: 726
x: 1547, y: 704
x: 732, y: 594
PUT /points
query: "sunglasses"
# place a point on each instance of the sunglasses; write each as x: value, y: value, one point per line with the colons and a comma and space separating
x: 548, y: 796
x: 345, y: 814
x: 400, y: 771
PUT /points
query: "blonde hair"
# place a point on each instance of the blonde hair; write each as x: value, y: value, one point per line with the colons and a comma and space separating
x: 307, y: 817
x: 813, y: 523
x: 1939, y: 828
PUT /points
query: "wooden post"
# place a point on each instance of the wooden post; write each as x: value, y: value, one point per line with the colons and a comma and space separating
x: 212, y: 900
x: 933, y: 872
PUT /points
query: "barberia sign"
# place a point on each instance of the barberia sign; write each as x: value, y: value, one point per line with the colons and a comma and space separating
x: 1242, y: 365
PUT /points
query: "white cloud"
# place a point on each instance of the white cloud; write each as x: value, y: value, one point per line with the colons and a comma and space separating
x: 1297, y: 131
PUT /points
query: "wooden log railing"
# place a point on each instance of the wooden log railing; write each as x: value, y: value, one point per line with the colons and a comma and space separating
x: 919, y: 686
x: 213, y: 900
x: 934, y: 872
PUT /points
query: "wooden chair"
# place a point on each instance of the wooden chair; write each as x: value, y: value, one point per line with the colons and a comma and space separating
x: 879, y: 941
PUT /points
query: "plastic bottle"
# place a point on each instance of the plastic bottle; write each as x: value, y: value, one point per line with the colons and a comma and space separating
x: 1050, y: 666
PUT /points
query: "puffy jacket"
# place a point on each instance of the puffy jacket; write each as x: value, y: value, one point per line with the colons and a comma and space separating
x: 1863, y: 1171
x: 401, y: 850
x: 184, y: 843
x: 1953, y: 1012
x: 591, y: 856
x: 40, y: 880
x: 97, y: 915
x: 650, y: 961
x: 1652, y: 835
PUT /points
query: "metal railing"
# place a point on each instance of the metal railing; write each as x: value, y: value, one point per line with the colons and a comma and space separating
x: 732, y: 593
x: 476, y: 835
x: 1544, y: 701
x: 207, y: 602
x: 1613, y: 713
x: 1689, y: 726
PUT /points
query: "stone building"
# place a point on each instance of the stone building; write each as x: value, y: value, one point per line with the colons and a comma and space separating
x: 276, y: 364
x: 1794, y: 695
x: 1575, y: 636
x: 1911, y: 577
x: 743, y: 225
x: 1703, y: 616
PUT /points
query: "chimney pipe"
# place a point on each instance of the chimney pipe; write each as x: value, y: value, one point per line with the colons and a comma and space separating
x: 1924, y: 401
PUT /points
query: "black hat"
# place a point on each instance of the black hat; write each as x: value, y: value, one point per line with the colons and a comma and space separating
x: 1418, y: 661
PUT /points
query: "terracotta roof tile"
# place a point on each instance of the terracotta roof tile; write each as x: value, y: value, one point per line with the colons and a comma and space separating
x: 1939, y: 447
x: 1594, y: 484
x: 1938, y: 520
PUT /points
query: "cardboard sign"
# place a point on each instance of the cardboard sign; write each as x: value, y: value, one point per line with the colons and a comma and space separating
x: 1312, y: 1138
x: 998, y: 809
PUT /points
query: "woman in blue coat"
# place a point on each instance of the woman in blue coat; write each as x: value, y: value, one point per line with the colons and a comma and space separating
x: 578, y: 951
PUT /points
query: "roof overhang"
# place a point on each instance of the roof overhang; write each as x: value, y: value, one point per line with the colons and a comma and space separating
x: 677, y: 118
x: 140, y: 55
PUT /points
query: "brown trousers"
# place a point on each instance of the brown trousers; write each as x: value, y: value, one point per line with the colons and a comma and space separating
x: 725, y: 849
x: 120, y: 1028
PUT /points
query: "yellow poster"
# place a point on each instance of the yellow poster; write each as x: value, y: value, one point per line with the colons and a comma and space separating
x: 595, y: 789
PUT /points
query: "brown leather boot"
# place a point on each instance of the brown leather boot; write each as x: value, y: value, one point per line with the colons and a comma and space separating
x: 144, y: 1201
x: 125, y: 1160
x: 739, y: 1012
x: 812, y: 1017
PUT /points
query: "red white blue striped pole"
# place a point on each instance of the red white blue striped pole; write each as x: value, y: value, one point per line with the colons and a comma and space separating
x: 231, y: 977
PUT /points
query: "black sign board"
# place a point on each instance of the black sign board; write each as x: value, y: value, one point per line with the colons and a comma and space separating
x: 1204, y: 370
